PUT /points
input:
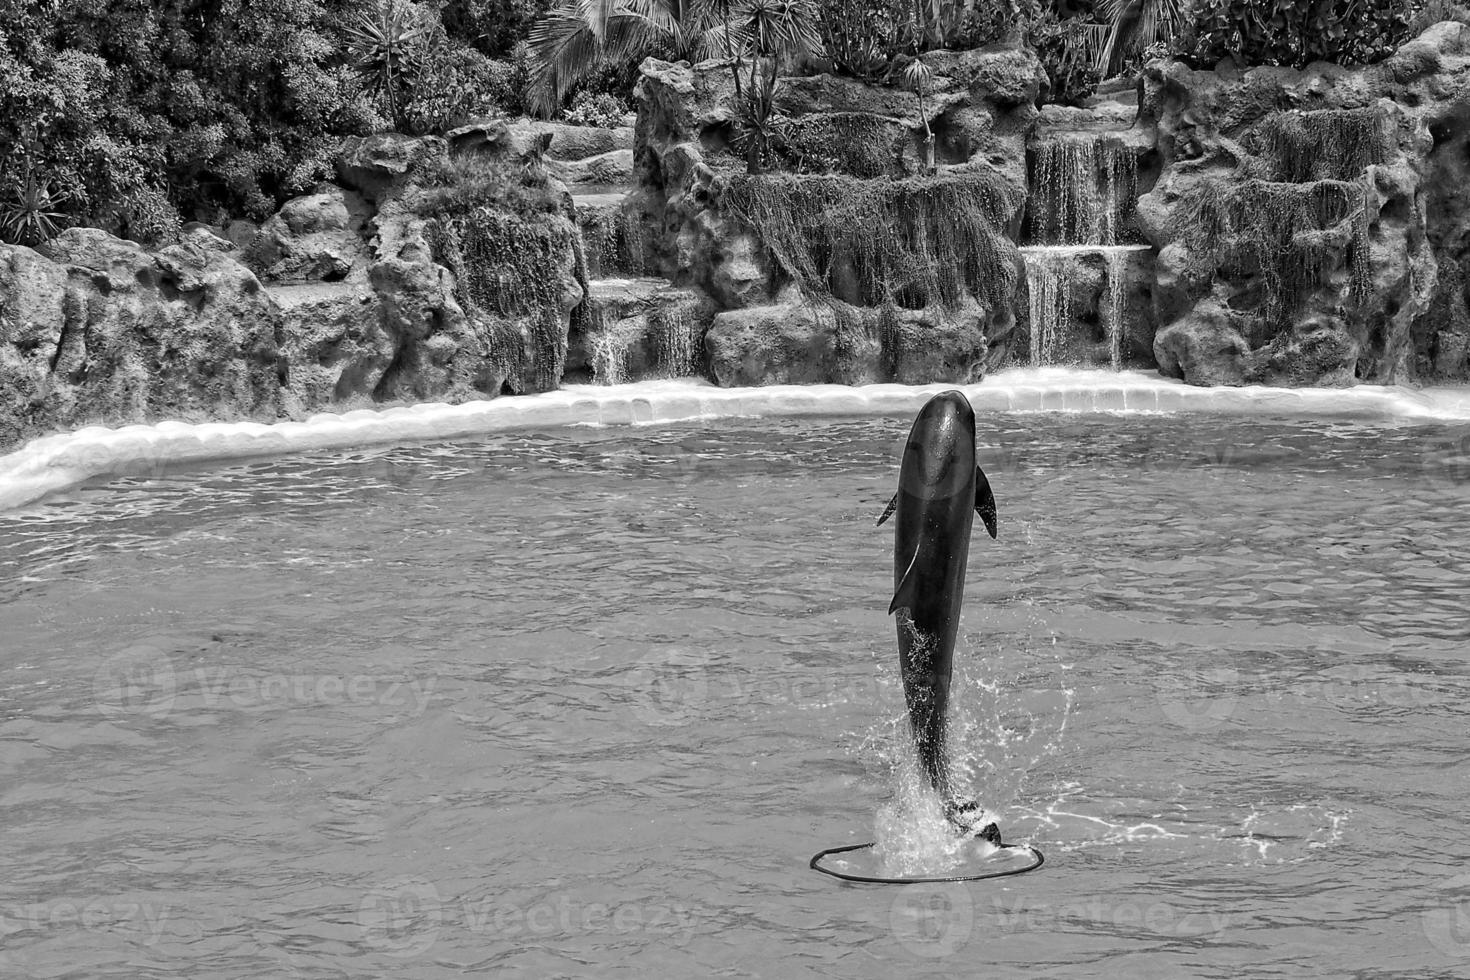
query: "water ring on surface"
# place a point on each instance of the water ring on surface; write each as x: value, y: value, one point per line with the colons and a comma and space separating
x: 1037, y: 860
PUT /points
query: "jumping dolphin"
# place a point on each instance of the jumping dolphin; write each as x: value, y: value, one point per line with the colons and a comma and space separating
x: 940, y: 490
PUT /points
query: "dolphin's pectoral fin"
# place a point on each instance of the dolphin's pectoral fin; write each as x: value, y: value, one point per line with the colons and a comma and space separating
x: 984, y: 501
x: 888, y: 511
x: 903, y: 596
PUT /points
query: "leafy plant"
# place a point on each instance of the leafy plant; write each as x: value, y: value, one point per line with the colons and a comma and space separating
x: 151, y: 218
x: 596, y: 109
x: 385, y: 43
x: 920, y: 76
x: 1066, y: 48
x: 32, y: 211
x: 862, y: 37
x: 580, y: 36
x: 1293, y: 32
x: 1134, y: 25
x: 773, y: 30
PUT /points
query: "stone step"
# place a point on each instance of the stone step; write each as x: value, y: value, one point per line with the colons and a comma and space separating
x: 618, y: 293
x: 599, y: 198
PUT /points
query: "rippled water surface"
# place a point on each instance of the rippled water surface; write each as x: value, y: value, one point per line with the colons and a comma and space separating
x: 583, y: 702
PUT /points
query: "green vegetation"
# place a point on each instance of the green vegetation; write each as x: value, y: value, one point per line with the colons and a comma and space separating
x: 133, y: 116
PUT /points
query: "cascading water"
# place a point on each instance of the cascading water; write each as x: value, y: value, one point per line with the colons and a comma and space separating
x: 1115, y: 259
x: 675, y: 329
x: 642, y: 328
x: 1082, y: 193
x: 1049, y: 278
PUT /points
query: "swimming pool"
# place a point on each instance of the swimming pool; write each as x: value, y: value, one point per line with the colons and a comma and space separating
x: 582, y: 701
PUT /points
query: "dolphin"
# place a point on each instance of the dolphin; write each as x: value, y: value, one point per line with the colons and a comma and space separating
x: 940, y: 490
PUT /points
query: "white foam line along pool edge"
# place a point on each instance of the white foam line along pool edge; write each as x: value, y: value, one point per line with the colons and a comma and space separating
x: 55, y: 463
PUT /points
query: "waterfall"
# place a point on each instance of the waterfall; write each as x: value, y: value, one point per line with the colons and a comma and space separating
x: 1082, y: 190
x: 607, y: 354
x: 1117, y: 296
x: 1049, y: 280
x: 1052, y: 272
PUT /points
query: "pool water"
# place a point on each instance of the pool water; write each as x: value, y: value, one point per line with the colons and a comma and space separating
x: 584, y: 701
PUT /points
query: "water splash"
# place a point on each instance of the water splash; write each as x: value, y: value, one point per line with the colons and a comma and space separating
x: 1002, y: 726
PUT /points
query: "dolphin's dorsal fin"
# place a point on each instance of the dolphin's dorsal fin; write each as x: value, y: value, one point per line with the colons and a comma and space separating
x: 903, y: 596
x: 888, y: 511
x: 984, y: 501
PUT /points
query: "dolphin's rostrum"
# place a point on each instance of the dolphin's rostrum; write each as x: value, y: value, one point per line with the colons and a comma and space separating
x: 940, y: 490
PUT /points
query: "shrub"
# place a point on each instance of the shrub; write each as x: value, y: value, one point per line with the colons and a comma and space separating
x: 987, y: 23
x: 1293, y: 33
x: 455, y: 84
x: 149, y: 217
x: 471, y: 180
x: 862, y: 37
x: 601, y: 109
x: 1435, y: 12
x: 1062, y: 45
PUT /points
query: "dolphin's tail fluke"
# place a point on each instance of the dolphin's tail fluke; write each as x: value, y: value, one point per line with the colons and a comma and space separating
x: 969, y: 818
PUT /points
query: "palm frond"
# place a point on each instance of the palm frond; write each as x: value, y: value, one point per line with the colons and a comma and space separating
x: 563, y: 50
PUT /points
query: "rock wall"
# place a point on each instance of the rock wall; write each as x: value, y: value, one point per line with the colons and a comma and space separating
x: 1309, y: 224
x: 782, y: 255
x: 344, y: 298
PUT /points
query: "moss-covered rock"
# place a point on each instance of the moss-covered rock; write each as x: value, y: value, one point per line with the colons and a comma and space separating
x: 1290, y: 213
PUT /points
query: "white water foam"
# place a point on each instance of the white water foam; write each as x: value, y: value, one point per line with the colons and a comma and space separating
x: 55, y: 463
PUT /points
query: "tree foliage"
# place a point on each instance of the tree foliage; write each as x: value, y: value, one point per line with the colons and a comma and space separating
x: 1293, y: 32
x: 132, y: 114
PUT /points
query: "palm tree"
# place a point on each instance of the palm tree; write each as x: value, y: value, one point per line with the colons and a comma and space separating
x: 572, y: 40
x: 772, y: 31
x: 1134, y: 25
x: 384, y: 44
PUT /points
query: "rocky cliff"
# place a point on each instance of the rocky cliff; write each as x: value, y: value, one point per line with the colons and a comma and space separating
x: 436, y: 269
x: 1310, y: 224
x: 867, y: 250
x: 1272, y: 226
